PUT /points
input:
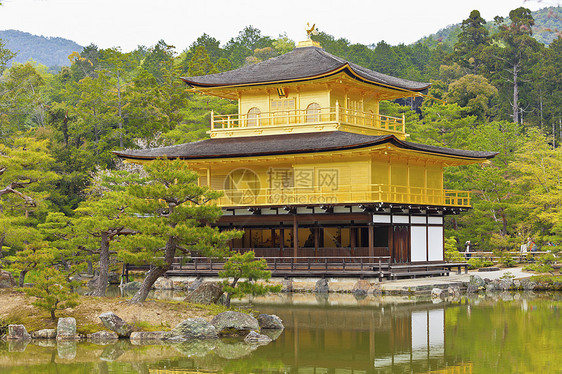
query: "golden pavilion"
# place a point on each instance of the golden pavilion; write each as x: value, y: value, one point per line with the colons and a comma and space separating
x: 310, y: 167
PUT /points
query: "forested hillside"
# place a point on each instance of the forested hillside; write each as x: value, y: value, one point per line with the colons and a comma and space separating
x: 492, y: 91
x: 548, y: 26
x: 44, y: 50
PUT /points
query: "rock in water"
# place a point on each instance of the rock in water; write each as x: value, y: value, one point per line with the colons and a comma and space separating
x: 44, y: 334
x: 234, y: 324
x: 322, y: 286
x: 195, y: 328
x: 116, y: 324
x: 206, y: 293
x: 287, y: 285
x: 140, y: 337
x: 17, y: 332
x: 103, y: 336
x: 270, y: 322
x: 194, y: 285
x: 255, y: 338
x: 66, y: 329
x: 164, y: 284
x: 7, y: 279
x: 361, y: 288
x: 132, y: 286
x: 475, y: 280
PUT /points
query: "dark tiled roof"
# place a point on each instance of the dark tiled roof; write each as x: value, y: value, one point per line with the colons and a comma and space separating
x: 300, y: 64
x: 287, y: 144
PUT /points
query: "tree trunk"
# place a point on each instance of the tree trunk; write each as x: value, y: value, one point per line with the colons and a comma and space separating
x: 229, y: 294
x: 101, y: 284
x: 22, y: 278
x: 515, y: 95
x: 156, y: 272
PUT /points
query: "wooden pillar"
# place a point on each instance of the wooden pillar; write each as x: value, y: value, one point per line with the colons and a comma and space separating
x: 352, y: 238
x: 295, y: 236
x: 281, y: 241
x: 316, y: 230
x: 273, y: 238
x: 371, y: 240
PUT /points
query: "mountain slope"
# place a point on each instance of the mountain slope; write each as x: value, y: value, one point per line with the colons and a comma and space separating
x: 49, y: 51
x: 548, y: 26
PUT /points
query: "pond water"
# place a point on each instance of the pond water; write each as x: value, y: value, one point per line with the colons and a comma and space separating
x: 504, y: 333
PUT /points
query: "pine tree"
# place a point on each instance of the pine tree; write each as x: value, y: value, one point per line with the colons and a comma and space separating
x: 170, y: 213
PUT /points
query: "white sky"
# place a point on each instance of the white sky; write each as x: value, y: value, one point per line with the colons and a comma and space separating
x: 128, y: 23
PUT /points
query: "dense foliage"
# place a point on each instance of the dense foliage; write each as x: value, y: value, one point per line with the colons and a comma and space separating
x: 498, y: 89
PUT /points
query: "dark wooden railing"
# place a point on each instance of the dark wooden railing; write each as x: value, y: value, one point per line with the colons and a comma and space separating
x: 357, y: 266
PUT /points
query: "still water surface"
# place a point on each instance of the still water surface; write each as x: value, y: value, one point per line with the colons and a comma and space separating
x: 504, y: 333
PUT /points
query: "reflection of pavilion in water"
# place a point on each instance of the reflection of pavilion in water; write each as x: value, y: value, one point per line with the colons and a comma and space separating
x: 390, y: 339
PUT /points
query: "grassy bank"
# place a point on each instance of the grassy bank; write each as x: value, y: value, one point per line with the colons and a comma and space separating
x: 16, y: 308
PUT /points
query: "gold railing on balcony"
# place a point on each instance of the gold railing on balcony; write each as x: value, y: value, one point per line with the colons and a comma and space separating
x: 342, y: 194
x: 290, y: 117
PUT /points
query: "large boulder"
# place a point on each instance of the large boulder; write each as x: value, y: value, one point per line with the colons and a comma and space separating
x: 17, y: 332
x: 44, y: 334
x: 103, y: 336
x: 234, y: 324
x: 270, y: 322
x: 195, y: 328
x: 66, y: 329
x: 477, y: 281
x: 116, y: 324
x: 322, y: 286
x: 7, y: 279
x: 255, y: 338
x: 206, y: 293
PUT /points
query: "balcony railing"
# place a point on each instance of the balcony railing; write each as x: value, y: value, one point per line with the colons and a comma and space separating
x: 358, y: 193
x: 318, y: 116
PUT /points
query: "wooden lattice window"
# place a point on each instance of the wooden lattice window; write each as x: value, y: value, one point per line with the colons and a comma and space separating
x: 253, y: 117
x: 313, y: 112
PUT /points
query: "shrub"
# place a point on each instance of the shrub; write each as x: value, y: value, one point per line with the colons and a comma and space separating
x: 245, y: 270
x: 543, y: 264
x: 507, y: 260
x: 53, y: 291
x: 451, y: 252
x: 476, y: 263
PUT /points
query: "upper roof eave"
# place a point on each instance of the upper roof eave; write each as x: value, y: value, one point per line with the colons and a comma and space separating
x: 301, y: 64
x: 272, y: 145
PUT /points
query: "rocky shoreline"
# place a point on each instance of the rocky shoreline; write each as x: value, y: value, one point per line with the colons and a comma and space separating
x: 230, y: 324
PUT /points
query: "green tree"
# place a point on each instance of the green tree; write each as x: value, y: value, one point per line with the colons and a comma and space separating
x: 243, y: 271
x: 471, y: 42
x: 201, y: 64
x: 98, y: 219
x: 514, y: 57
x: 538, y: 181
x: 474, y: 93
x: 169, y: 213
x: 53, y: 291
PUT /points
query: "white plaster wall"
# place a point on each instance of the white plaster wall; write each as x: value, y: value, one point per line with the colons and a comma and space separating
x: 435, y: 236
x: 418, y: 243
